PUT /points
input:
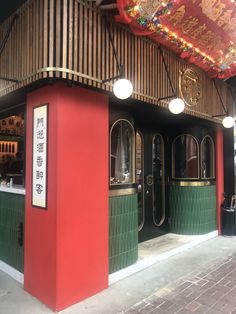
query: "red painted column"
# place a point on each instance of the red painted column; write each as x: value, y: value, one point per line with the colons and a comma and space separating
x: 219, y: 175
x: 66, y: 246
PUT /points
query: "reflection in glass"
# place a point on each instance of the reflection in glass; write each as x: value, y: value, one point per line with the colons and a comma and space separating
x: 185, y: 157
x: 121, y: 157
x: 158, y: 180
x: 139, y: 178
x: 207, y: 158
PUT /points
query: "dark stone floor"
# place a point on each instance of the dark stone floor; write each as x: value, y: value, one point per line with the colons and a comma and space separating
x: 212, y: 292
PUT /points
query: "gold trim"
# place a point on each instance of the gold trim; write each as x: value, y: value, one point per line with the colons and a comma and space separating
x: 120, y: 192
x: 191, y: 183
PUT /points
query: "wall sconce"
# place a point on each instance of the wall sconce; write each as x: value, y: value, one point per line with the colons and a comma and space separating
x: 122, y: 88
x: 176, y: 105
x: 228, y: 121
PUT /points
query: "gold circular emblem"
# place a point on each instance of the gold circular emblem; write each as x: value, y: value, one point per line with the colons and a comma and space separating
x: 190, y: 87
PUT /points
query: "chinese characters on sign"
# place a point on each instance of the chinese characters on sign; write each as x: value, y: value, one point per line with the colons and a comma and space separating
x: 39, y: 182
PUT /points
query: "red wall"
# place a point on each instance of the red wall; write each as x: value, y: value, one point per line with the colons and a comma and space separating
x: 66, y: 249
x: 219, y: 175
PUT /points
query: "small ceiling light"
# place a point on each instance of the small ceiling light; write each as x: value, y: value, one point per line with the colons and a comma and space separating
x: 123, y: 88
x: 228, y: 122
x: 176, y: 106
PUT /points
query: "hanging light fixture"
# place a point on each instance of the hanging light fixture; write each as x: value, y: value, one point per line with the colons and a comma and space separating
x: 228, y: 121
x: 122, y: 88
x: 176, y: 105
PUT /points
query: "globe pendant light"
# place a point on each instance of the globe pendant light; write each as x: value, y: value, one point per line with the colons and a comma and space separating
x: 228, y: 122
x: 122, y: 88
x: 176, y: 106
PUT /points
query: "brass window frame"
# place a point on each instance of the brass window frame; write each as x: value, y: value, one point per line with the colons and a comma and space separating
x: 162, y: 182
x: 213, y: 154
x: 173, y: 163
x: 140, y: 227
x: 132, y: 157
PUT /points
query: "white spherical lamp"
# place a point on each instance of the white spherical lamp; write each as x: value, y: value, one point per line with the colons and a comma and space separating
x: 228, y: 122
x: 123, y: 88
x: 176, y: 106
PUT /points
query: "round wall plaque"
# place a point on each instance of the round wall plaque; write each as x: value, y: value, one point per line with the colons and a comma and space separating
x: 190, y: 87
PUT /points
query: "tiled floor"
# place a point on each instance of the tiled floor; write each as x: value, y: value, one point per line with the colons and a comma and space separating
x: 212, y: 291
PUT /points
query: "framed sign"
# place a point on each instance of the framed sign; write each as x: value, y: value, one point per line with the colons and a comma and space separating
x: 40, y: 150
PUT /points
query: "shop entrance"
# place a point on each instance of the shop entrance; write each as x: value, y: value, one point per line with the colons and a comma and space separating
x: 151, y: 179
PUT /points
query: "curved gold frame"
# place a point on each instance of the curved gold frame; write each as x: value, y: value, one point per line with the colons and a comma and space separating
x: 162, y: 181
x: 172, y: 158
x: 140, y: 227
x: 213, y: 154
x: 133, y: 153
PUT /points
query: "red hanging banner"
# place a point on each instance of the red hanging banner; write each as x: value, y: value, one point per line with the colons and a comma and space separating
x: 201, y: 31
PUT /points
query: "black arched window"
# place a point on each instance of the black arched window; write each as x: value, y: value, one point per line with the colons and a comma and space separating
x: 122, y: 153
x: 185, y: 154
x: 207, y: 158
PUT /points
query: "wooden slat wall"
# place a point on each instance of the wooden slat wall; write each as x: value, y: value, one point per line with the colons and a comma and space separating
x: 68, y: 39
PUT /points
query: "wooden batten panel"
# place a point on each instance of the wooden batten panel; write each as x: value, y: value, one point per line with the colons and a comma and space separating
x: 74, y: 38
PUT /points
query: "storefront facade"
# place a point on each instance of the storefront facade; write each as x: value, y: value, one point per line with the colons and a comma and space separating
x: 98, y: 174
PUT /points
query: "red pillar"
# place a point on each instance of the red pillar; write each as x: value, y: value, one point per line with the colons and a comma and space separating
x: 66, y: 245
x: 219, y: 175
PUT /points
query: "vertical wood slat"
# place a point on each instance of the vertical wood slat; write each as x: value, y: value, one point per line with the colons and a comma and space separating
x: 51, y: 35
x: 70, y: 39
x: 75, y: 53
x: 58, y: 37
x: 64, y: 38
x: 45, y: 36
x: 81, y: 39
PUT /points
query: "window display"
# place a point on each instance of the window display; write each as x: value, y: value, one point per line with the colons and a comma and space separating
x: 12, y: 150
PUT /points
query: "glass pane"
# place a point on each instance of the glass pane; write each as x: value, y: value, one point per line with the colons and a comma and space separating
x: 185, y: 155
x: 139, y: 178
x: 207, y: 153
x: 12, y: 149
x: 158, y: 182
x: 121, y: 153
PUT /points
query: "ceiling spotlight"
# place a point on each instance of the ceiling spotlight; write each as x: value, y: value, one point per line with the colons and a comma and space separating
x: 176, y: 106
x: 228, y: 122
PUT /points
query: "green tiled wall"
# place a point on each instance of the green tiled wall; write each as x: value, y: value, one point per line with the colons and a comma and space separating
x: 11, y: 221
x: 123, y: 231
x: 192, y: 209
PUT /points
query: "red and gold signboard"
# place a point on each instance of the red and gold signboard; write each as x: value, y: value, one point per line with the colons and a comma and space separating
x: 201, y: 31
